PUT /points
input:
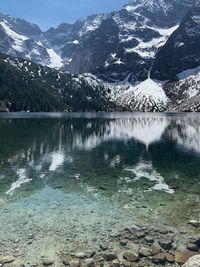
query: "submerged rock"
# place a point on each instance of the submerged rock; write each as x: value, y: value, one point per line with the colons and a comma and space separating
x: 115, y: 263
x: 194, y: 223
x: 6, y: 259
x: 192, y: 247
x: 48, y: 262
x: 194, y: 261
x: 75, y: 263
x: 183, y: 256
x: 110, y: 256
x: 149, y: 239
x: 145, y: 252
x: 166, y: 243
x: 159, y: 258
x: 130, y: 256
x: 88, y: 262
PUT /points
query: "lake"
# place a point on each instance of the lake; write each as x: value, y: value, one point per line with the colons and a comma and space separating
x: 72, y: 182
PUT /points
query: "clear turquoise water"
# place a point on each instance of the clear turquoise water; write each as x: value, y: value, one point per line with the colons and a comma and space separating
x: 71, y: 179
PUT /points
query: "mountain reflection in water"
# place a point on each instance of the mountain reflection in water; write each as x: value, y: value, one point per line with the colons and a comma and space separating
x: 139, y: 152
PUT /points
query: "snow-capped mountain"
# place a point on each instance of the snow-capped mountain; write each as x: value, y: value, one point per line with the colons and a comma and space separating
x: 182, y: 49
x: 19, y: 38
x: 144, y: 57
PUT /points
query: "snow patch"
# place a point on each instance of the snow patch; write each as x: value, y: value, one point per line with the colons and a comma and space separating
x: 17, y: 38
x: 55, y: 59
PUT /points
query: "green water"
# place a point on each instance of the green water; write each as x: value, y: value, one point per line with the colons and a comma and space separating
x: 71, y: 179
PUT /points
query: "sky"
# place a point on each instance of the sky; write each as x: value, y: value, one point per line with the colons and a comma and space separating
x: 48, y: 13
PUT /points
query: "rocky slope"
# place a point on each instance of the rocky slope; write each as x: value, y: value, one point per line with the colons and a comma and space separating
x: 26, y: 86
x: 144, y: 57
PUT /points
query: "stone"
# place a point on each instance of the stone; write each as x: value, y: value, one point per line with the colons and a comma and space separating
x: 66, y: 260
x: 110, y: 256
x: 89, y: 262
x: 149, y: 239
x: 194, y: 261
x: 145, y: 252
x: 90, y: 253
x: 140, y: 234
x: 123, y: 243
x: 166, y: 244
x: 182, y: 256
x: 159, y: 258
x: 114, y: 235
x: 170, y: 258
x: 6, y: 259
x: 194, y: 223
x: 48, y: 262
x: 75, y: 263
x: 126, y: 263
x: 156, y: 249
x: 104, y: 247
x: 192, y: 247
x: 132, y: 230
x: 115, y: 263
x: 162, y: 231
x: 80, y: 255
x: 130, y: 256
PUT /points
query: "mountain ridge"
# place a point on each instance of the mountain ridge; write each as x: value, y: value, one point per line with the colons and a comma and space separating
x: 137, y: 56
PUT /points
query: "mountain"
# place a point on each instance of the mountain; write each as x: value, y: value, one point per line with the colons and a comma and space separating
x: 181, y: 51
x: 26, y: 86
x: 111, y: 46
x: 144, y: 57
x: 19, y: 38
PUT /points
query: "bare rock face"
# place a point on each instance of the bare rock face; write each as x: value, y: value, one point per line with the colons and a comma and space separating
x: 193, y: 262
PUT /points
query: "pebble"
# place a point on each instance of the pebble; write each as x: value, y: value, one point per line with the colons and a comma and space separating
x: 149, y: 239
x: 80, y: 255
x: 130, y: 256
x: 75, y: 263
x: 104, y: 247
x: 110, y: 256
x: 166, y: 243
x: 48, y: 262
x: 145, y: 252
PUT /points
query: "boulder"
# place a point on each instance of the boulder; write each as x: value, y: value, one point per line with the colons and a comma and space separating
x: 193, y: 261
x: 182, y: 256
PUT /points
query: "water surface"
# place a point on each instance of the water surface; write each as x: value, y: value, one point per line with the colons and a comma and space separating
x: 69, y: 180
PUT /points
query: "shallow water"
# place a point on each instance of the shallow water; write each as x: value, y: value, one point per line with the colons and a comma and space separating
x: 69, y: 180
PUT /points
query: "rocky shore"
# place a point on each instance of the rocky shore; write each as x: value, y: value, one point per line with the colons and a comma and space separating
x: 131, y: 247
